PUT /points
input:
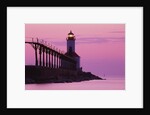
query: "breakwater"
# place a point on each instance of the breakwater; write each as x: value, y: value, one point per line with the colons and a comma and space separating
x: 37, y: 74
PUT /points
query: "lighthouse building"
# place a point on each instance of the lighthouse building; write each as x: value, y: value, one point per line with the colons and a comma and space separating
x: 71, y: 49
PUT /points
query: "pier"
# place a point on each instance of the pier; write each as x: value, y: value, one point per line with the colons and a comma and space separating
x: 47, y: 55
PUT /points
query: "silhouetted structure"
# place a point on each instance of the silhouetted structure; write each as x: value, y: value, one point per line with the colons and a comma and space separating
x: 66, y: 66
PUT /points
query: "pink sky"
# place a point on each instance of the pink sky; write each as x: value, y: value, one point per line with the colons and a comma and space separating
x: 100, y: 46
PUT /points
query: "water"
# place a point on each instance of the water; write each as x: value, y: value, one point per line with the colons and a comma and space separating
x: 109, y: 84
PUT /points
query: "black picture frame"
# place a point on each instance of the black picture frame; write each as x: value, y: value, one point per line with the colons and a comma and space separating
x: 42, y: 3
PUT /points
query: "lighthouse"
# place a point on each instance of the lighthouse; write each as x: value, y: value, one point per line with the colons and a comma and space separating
x: 71, y: 49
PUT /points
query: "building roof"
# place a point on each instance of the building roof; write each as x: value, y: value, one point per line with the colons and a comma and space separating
x: 70, y: 33
x: 72, y: 54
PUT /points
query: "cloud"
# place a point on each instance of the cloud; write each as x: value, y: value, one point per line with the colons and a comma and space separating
x: 99, y: 39
x: 117, y: 32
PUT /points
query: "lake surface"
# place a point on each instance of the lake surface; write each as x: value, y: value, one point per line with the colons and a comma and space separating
x: 108, y: 84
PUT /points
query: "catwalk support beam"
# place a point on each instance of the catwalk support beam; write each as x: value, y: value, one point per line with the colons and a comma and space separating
x: 46, y: 57
x: 40, y: 53
x: 49, y: 59
x: 43, y: 57
x: 35, y: 46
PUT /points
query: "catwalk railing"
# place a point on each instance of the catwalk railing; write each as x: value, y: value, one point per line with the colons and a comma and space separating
x: 47, y: 55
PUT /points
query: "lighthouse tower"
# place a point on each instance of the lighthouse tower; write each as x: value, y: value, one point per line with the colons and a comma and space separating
x: 71, y: 49
x: 70, y: 42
